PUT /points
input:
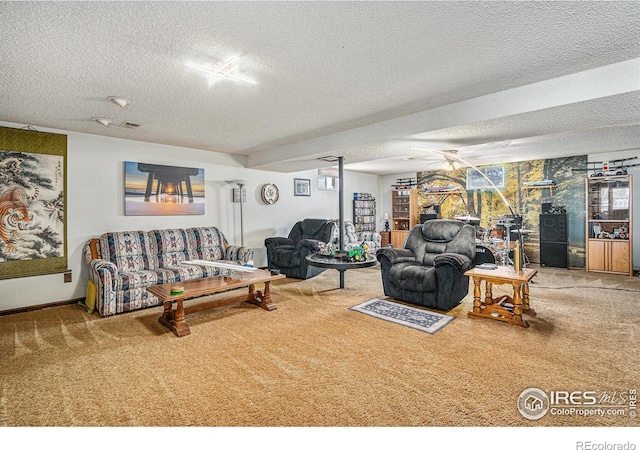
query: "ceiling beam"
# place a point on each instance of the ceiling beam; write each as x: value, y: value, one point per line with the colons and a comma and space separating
x: 601, y: 82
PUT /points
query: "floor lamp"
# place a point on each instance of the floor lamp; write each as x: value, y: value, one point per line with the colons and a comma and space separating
x: 239, y: 196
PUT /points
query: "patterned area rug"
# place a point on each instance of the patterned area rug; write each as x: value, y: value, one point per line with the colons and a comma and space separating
x: 420, y: 319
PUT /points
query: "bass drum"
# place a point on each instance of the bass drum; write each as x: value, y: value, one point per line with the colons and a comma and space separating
x: 496, y: 233
x: 484, y: 255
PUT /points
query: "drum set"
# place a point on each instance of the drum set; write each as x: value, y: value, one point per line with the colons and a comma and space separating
x: 496, y: 245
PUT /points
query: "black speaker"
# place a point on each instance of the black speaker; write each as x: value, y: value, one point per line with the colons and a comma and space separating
x: 553, y: 228
x: 546, y: 207
x: 553, y: 254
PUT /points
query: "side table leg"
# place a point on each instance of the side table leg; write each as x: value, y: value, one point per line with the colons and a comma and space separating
x: 476, y: 294
x: 525, y: 301
x: 488, y: 295
x: 517, y: 319
x: 341, y: 279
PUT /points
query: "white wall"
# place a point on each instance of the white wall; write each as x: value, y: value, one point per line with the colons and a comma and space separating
x: 95, y: 174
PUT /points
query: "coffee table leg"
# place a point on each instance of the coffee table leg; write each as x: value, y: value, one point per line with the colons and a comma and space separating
x: 174, y: 320
x: 264, y: 301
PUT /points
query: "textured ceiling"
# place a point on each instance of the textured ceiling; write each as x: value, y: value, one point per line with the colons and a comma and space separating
x: 365, y: 80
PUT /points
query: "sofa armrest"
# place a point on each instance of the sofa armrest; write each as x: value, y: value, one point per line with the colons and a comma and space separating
x: 239, y: 253
x: 396, y: 255
x: 460, y: 262
x: 103, y: 274
x: 102, y: 265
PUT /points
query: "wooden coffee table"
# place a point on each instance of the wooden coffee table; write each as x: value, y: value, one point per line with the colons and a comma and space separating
x: 505, y: 308
x: 174, y: 319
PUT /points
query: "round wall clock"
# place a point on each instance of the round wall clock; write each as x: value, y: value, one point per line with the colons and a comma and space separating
x: 270, y: 193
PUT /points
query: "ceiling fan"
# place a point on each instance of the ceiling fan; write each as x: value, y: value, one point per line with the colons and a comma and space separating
x: 447, y: 159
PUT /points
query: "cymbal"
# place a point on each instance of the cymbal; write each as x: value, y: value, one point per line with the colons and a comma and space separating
x: 523, y: 231
x: 467, y: 218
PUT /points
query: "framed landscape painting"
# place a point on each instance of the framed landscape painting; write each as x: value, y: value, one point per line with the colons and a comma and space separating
x: 158, y: 190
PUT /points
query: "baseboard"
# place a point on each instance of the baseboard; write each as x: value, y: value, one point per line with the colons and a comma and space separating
x: 8, y: 312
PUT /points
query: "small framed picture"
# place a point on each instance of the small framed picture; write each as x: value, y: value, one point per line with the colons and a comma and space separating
x: 302, y: 186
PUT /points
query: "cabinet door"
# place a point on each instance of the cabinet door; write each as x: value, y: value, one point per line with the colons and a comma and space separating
x: 398, y: 238
x: 597, y: 255
x: 619, y: 256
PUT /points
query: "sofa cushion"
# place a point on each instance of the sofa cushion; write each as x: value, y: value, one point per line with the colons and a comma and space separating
x: 129, y: 250
x: 171, y: 245
x: 138, y: 279
x: 350, y: 234
x: 206, y: 243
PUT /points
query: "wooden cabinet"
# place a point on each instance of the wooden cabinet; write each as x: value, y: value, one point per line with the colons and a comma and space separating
x: 609, y: 224
x: 385, y: 238
x: 398, y: 238
x: 404, y: 209
x: 608, y: 256
x: 404, y: 214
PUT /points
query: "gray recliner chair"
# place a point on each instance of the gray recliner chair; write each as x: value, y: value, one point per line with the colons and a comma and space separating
x: 429, y: 270
x: 288, y: 255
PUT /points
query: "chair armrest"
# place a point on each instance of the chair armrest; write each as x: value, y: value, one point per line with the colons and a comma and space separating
x: 310, y: 245
x: 460, y: 262
x: 396, y: 255
x: 279, y: 241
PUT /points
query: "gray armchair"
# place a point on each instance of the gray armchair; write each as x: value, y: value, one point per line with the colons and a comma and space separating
x: 288, y: 255
x: 429, y: 270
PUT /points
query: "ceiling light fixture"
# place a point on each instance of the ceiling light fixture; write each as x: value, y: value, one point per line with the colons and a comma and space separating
x: 101, y: 121
x: 450, y: 165
x: 221, y: 69
x: 119, y: 102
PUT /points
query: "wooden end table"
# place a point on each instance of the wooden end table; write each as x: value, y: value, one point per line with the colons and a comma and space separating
x: 505, y: 308
x: 174, y: 319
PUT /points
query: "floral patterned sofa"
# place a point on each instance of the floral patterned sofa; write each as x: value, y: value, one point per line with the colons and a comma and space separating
x: 353, y: 237
x: 123, y: 264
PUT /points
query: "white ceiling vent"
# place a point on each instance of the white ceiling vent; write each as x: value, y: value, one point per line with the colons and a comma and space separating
x: 129, y: 125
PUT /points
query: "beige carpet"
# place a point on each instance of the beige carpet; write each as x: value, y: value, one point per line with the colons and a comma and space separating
x: 314, y: 362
